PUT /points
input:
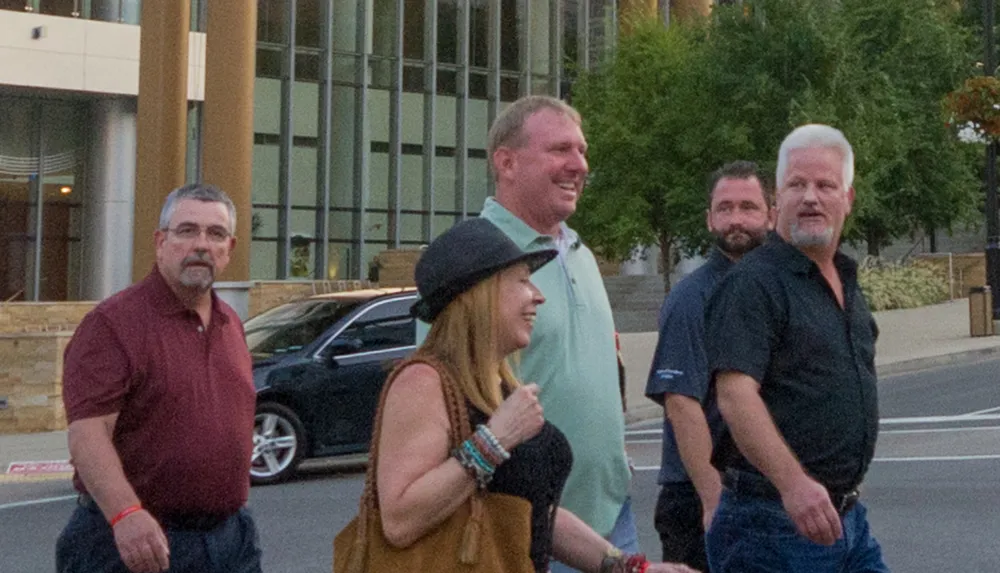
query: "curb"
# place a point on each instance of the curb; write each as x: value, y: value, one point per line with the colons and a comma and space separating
x: 927, y: 362
x: 35, y: 478
x: 647, y: 411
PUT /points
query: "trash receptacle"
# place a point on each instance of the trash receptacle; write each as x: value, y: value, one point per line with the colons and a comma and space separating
x: 980, y: 311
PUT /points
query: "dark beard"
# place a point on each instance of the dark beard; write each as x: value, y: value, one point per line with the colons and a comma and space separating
x: 738, y: 249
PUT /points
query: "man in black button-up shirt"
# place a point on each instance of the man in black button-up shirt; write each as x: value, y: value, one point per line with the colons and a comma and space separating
x: 791, y: 347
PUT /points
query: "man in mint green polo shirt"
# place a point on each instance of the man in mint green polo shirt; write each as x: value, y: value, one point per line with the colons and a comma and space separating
x: 538, y: 159
x: 538, y: 156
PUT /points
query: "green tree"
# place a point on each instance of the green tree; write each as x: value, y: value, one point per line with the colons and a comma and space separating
x: 897, y: 59
x: 650, y: 117
x: 766, y: 55
x: 671, y: 106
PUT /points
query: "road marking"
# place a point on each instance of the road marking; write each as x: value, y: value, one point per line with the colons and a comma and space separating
x: 33, y: 468
x: 937, y: 430
x: 941, y: 458
x: 881, y: 433
x: 981, y: 412
x: 940, y: 419
x: 36, y: 502
x: 643, y: 432
x: 913, y: 459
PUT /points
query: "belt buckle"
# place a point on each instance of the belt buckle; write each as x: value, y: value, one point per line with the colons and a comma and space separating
x: 848, y: 500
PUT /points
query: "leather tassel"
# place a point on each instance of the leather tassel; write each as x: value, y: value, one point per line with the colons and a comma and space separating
x: 469, y: 553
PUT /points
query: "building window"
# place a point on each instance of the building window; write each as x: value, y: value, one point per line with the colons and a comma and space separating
x: 383, y: 185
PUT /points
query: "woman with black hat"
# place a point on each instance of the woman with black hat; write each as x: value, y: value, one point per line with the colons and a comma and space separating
x: 476, y: 292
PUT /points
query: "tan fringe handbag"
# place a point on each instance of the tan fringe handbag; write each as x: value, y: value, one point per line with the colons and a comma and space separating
x: 489, y: 534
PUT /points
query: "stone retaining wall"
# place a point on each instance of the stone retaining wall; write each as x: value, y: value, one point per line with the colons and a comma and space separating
x: 31, y: 382
x: 269, y: 294
x: 16, y: 317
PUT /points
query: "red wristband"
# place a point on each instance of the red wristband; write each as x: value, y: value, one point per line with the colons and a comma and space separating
x: 637, y: 563
x: 125, y: 513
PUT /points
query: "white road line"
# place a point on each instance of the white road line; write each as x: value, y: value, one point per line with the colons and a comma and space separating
x: 36, y: 501
x: 981, y: 412
x: 940, y: 419
x: 941, y: 458
x: 881, y: 433
x: 913, y: 459
x: 981, y: 416
x: 644, y: 432
x: 937, y: 430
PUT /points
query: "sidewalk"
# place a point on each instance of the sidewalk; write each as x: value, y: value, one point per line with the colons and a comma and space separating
x: 910, y: 340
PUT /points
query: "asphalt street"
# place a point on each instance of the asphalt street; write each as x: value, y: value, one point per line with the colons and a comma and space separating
x: 932, y: 493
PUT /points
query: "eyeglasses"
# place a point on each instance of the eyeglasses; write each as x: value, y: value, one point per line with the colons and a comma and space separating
x: 214, y: 234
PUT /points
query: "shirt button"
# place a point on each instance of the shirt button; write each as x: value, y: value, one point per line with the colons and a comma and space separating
x: 201, y: 328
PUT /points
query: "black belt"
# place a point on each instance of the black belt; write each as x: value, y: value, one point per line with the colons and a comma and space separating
x: 756, y: 485
x: 174, y: 521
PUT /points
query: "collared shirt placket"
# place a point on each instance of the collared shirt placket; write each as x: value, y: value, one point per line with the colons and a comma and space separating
x: 564, y: 246
x: 853, y: 343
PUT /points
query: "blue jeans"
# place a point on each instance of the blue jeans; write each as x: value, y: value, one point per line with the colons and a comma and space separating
x: 624, y: 536
x: 755, y: 535
x: 87, y: 545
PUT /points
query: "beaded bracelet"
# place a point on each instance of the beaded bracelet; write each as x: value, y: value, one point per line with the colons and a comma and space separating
x: 478, y: 469
x: 478, y: 457
x: 491, y: 440
x: 484, y: 448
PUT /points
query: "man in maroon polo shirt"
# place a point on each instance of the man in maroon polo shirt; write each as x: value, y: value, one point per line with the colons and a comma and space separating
x: 159, y: 397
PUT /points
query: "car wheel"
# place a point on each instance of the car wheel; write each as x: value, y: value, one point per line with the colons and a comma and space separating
x: 279, y: 441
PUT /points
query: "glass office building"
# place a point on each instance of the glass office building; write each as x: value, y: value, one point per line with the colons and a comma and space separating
x: 371, y: 118
x: 370, y: 122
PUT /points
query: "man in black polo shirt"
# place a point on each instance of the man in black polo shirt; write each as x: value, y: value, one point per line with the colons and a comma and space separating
x: 791, y: 347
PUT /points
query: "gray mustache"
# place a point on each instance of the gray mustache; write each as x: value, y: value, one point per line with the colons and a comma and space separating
x: 197, y: 259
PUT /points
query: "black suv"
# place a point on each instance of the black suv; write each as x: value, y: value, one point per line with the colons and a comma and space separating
x: 319, y: 366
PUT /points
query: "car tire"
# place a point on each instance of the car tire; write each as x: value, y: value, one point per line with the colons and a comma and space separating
x: 279, y: 443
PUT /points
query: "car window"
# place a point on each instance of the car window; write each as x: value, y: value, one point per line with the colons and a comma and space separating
x: 292, y: 326
x: 381, y: 327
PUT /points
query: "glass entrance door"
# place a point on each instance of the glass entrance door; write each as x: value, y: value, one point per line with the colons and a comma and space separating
x: 41, y: 168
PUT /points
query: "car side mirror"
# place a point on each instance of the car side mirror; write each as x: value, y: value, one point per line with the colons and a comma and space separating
x: 343, y: 346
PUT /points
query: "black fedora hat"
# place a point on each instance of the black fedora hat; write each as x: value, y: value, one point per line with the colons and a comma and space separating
x: 460, y: 258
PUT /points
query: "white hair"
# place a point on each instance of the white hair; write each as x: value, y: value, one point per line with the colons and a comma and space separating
x: 814, y: 135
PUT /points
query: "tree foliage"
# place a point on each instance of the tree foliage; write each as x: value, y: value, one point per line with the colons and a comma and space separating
x: 672, y: 105
x: 899, y: 58
x: 649, y: 154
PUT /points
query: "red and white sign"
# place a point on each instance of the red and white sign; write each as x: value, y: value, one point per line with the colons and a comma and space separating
x: 34, y: 468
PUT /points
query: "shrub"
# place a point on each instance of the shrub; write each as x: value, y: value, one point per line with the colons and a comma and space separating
x: 890, y: 286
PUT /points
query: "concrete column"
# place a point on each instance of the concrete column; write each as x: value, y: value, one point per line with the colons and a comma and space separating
x: 344, y: 187
x: 227, y: 152
x: 109, y: 200
x: 632, y: 11
x: 539, y: 38
x: 161, y: 127
x: 684, y: 10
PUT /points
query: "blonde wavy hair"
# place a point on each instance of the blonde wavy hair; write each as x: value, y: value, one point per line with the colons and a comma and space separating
x: 464, y: 337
